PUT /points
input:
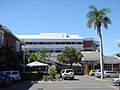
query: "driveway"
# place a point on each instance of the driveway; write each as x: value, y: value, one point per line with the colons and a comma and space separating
x: 80, y: 83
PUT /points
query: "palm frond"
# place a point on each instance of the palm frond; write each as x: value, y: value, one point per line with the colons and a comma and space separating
x: 92, y: 8
x: 89, y: 23
x: 106, y: 10
x: 98, y: 17
x: 106, y: 21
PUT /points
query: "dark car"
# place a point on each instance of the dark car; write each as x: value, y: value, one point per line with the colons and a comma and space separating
x: 4, y: 80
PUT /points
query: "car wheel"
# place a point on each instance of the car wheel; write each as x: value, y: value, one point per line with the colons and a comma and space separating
x: 72, y: 78
x: 13, y: 80
x: 108, y: 76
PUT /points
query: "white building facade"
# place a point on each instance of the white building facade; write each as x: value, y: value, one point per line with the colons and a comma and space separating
x: 55, y: 42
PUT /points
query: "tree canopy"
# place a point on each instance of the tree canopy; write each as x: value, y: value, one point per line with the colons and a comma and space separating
x: 97, y: 17
x: 69, y: 55
x: 37, y: 55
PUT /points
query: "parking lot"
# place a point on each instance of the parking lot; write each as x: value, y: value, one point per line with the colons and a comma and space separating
x: 79, y: 83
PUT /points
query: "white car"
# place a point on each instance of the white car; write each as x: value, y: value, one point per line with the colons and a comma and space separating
x: 13, y: 74
x: 98, y: 73
x: 67, y: 73
x: 111, y: 74
x: 116, y: 81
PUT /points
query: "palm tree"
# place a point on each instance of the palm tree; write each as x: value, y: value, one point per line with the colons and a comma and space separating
x: 98, y: 18
x: 118, y: 44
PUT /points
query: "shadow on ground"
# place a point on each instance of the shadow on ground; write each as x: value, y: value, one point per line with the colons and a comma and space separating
x: 23, y: 85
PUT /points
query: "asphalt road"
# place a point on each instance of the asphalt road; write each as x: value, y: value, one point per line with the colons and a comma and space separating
x: 80, y: 83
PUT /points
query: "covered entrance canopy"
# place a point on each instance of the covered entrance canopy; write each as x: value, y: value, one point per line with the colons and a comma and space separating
x: 35, y: 63
x: 40, y: 67
x: 89, y: 59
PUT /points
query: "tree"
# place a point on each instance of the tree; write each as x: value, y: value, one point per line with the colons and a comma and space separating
x: 38, y: 55
x: 70, y: 55
x: 32, y: 57
x: 118, y: 44
x: 41, y: 54
x: 98, y: 18
x: 13, y: 58
x: 52, y: 71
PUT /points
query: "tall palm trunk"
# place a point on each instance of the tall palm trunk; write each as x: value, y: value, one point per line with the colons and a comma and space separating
x: 101, y: 52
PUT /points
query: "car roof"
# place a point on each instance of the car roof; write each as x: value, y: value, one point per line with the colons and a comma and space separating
x: 67, y: 69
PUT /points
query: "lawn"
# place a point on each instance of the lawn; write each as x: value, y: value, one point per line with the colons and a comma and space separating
x: 103, y: 78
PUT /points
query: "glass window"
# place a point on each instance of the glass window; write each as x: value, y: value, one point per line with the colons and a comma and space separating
x: 108, y: 66
x: 57, y: 42
x: 67, y: 71
x: 7, y: 73
x: 68, y: 42
x: 14, y: 73
x: 79, y: 43
x: 62, y: 42
x: 116, y: 66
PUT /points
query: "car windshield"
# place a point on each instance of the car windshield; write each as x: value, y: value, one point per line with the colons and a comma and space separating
x: 93, y: 71
x: 67, y: 71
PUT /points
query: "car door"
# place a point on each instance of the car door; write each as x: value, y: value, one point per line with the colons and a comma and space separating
x: 116, y: 75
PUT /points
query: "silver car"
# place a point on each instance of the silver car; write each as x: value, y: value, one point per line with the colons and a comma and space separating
x: 111, y: 74
x: 116, y: 81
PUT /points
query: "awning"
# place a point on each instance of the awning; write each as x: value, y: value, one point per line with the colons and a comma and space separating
x: 35, y: 63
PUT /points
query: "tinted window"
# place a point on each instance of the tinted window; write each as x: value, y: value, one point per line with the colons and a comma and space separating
x: 93, y: 71
x: 67, y: 71
x: 63, y: 71
x: 7, y: 73
x: 14, y: 73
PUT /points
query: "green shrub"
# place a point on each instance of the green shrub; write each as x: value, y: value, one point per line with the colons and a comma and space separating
x: 51, y: 78
x: 46, y: 77
x: 52, y: 71
x: 28, y: 76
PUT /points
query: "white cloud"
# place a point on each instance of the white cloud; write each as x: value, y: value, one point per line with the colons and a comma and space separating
x: 118, y: 41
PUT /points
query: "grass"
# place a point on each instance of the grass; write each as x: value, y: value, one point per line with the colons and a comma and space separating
x: 103, y: 78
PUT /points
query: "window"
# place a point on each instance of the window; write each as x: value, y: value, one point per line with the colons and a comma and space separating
x: 62, y: 42
x: 108, y: 66
x: 79, y: 43
x: 14, y: 73
x: 7, y: 73
x: 116, y: 66
x: 68, y: 42
x: 51, y: 51
x: 36, y: 42
x: 57, y: 42
x: 28, y: 43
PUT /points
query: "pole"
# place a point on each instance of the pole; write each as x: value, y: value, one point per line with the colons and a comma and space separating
x: 23, y: 56
x: 101, y: 55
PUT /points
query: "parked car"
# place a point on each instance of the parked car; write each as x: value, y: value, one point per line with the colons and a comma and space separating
x: 13, y: 74
x: 116, y: 81
x: 4, y: 80
x: 98, y: 73
x: 111, y: 74
x: 92, y: 72
x: 67, y: 73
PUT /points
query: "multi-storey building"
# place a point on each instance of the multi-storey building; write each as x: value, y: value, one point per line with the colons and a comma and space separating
x: 55, y: 43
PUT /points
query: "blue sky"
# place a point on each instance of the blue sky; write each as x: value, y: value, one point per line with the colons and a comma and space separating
x: 35, y: 16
